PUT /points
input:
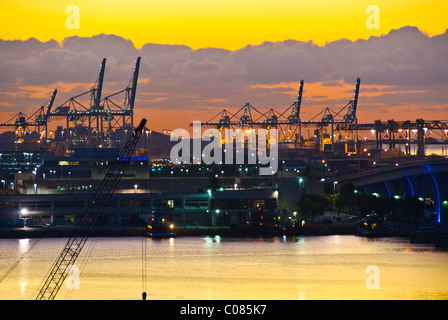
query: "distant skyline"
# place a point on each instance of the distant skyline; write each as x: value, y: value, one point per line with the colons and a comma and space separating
x: 201, y: 57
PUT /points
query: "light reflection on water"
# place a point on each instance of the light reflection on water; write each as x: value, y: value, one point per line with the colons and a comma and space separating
x: 327, y: 267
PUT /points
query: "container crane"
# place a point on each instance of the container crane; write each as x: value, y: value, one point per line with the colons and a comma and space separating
x: 294, y: 118
x: 118, y: 116
x: 288, y: 126
x: 244, y: 119
x: 42, y: 118
x: 75, y: 111
x: 37, y: 119
x: 350, y: 123
x: 76, y: 242
x: 37, y: 122
x: 353, y: 103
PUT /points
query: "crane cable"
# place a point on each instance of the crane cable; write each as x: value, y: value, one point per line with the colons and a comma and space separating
x: 88, y: 254
x: 144, y: 267
x: 144, y: 242
x: 18, y: 261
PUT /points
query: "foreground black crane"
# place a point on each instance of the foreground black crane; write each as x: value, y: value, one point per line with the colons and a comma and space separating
x: 96, y: 206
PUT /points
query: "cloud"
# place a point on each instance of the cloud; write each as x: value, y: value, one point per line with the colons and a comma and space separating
x: 403, y: 67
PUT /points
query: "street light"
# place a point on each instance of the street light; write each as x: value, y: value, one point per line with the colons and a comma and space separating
x: 334, y: 195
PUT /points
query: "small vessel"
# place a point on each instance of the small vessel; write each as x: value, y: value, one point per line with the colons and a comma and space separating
x: 431, y: 234
x: 158, y: 227
x: 373, y: 226
x: 263, y: 223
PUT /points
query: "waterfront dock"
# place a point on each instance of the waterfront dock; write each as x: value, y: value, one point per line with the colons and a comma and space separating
x: 181, y: 231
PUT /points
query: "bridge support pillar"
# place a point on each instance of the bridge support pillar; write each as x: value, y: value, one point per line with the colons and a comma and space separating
x: 441, y: 184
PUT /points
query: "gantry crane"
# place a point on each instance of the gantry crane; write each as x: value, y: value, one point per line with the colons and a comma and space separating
x: 73, y: 110
x: 333, y: 126
x: 332, y: 121
x: 76, y: 242
x: 248, y: 117
x: 93, y: 124
x: 42, y: 118
x: 38, y: 121
x: 114, y: 112
x: 353, y: 104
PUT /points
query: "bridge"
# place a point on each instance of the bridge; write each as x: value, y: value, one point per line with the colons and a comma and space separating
x: 421, y: 179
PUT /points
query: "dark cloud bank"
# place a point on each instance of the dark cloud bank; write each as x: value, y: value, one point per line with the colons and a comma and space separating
x: 412, y: 64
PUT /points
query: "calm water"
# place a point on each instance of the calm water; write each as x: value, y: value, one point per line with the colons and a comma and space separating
x: 328, y: 267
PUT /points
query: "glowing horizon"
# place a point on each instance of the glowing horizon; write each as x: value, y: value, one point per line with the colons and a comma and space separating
x: 232, y: 25
x: 229, y: 25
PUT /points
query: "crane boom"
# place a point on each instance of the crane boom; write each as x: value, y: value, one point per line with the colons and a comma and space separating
x: 352, y: 105
x: 99, y: 87
x: 50, y: 103
x: 295, y: 112
x: 299, y: 99
x: 134, y: 84
x: 355, y: 97
x: 76, y: 242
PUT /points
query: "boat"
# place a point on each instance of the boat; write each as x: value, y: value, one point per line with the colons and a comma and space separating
x: 261, y: 223
x: 373, y: 226
x: 158, y: 227
x: 431, y: 234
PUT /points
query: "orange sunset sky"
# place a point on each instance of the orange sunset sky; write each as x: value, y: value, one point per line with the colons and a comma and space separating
x: 199, y: 57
